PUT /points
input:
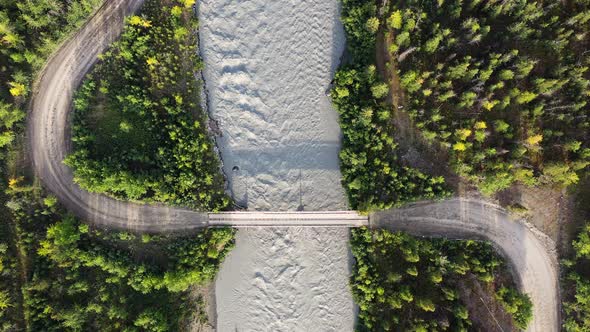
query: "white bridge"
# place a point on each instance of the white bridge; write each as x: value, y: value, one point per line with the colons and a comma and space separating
x: 286, y: 219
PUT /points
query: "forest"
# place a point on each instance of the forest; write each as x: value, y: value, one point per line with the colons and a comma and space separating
x: 503, y: 86
x: 373, y: 175
x: 57, y: 273
x: 576, y: 265
x: 139, y: 132
x: 402, y: 283
x: 29, y: 32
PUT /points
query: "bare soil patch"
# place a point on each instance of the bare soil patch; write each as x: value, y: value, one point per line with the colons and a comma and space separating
x: 484, y: 311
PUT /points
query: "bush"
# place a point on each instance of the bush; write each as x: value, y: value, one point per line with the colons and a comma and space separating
x: 516, y: 304
x: 139, y: 132
x: 522, y: 67
x: 402, y: 283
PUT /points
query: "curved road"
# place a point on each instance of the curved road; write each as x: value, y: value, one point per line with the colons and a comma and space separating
x: 49, y: 136
x: 531, y: 253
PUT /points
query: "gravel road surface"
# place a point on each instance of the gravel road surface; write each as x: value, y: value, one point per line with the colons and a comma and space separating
x: 531, y: 253
x: 50, y: 138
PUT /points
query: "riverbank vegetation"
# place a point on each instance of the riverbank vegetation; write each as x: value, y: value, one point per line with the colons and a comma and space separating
x: 139, y: 132
x: 503, y: 86
x: 373, y: 175
x: 402, y: 283
x: 67, y: 276
x: 56, y: 273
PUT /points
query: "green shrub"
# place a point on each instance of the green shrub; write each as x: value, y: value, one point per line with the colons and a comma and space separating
x: 139, y: 132
x: 400, y: 282
x: 533, y: 88
x: 516, y: 304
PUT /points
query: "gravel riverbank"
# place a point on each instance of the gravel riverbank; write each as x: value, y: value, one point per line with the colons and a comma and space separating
x: 268, y: 66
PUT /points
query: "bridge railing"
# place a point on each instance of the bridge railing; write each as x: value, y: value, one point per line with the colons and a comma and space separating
x: 287, y: 219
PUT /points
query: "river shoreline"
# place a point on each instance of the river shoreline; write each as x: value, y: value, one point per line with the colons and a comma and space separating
x: 268, y: 67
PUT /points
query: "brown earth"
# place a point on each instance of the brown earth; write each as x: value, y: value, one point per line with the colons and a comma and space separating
x: 205, y: 318
x: 484, y: 311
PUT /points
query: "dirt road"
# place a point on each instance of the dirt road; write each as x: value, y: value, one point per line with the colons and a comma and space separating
x: 49, y: 135
x: 531, y: 253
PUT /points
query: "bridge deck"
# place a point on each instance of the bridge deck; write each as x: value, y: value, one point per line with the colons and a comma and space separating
x: 292, y: 218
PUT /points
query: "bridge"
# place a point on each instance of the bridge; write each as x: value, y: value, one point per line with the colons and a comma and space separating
x: 532, y: 255
x: 288, y: 219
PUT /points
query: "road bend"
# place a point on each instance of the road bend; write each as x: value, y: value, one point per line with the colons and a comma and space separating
x: 49, y: 133
x: 532, y: 255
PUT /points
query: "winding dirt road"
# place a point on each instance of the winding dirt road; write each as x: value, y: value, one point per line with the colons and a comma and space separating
x: 531, y: 253
x: 49, y: 135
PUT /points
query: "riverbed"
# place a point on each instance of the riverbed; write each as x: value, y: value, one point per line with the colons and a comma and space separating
x: 268, y: 68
